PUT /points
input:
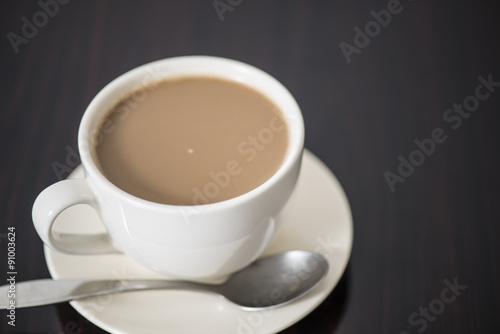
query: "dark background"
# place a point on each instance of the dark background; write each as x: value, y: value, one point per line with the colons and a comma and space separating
x: 440, y: 224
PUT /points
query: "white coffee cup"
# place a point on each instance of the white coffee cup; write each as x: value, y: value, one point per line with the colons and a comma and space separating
x: 189, y: 242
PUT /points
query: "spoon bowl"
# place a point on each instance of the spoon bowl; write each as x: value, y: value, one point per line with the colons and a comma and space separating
x: 275, y: 280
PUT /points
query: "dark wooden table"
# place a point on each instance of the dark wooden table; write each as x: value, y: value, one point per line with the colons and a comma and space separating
x: 400, y: 100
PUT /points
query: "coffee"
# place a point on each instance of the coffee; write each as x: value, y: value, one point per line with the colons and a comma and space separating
x: 191, y: 140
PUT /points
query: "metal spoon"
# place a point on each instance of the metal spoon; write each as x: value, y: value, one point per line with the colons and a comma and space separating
x: 268, y: 282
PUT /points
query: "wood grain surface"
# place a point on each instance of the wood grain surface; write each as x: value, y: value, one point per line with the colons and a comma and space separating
x: 404, y: 110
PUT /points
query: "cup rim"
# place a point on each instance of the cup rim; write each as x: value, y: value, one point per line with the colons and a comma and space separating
x: 294, y: 149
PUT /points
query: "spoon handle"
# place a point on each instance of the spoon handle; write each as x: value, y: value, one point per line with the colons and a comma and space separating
x: 48, y: 291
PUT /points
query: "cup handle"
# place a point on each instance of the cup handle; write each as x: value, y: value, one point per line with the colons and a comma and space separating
x: 54, y: 200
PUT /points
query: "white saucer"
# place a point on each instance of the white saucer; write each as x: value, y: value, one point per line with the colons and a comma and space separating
x: 321, y: 221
